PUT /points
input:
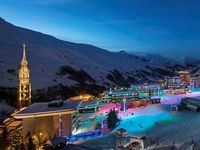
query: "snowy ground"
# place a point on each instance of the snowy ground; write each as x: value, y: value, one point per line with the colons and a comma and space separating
x: 146, y: 118
x: 163, y: 125
x: 180, y: 131
x: 159, y: 123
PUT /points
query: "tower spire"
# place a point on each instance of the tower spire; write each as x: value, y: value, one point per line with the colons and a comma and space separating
x: 24, y: 83
x: 24, y: 52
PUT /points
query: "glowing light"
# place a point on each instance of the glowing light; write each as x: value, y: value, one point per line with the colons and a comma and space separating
x: 83, y: 97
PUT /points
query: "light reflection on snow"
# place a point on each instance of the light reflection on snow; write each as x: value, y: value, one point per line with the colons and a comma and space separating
x: 139, y: 121
x: 151, y: 116
x: 148, y: 118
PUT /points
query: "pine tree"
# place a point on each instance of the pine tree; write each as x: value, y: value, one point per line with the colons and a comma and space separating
x: 112, y: 119
x: 31, y: 145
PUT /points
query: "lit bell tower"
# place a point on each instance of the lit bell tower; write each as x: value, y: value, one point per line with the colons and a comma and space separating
x: 24, y: 84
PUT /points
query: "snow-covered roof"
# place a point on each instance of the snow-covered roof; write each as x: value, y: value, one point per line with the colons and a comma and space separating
x: 6, y: 120
x: 92, y: 103
x: 42, y: 108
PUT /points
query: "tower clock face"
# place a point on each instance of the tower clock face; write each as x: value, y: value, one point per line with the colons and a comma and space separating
x: 24, y: 88
x: 24, y: 92
x: 24, y: 96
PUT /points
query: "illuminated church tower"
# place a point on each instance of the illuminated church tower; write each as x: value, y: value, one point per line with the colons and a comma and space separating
x: 24, y: 84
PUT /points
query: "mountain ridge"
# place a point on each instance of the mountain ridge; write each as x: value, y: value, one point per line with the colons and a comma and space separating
x: 55, y: 62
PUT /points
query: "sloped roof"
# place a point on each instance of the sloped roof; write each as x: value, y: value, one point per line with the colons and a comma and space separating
x: 43, y: 108
x: 92, y: 103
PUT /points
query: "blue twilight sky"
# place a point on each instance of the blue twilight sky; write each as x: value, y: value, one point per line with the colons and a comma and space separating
x: 168, y: 27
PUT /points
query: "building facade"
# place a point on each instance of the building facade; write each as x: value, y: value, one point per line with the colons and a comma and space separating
x: 49, y: 119
x: 24, y: 83
x: 136, y: 92
x: 173, y: 82
x: 195, y: 81
x: 177, y: 82
x: 185, y: 78
x: 116, y: 95
x: 146, y: 90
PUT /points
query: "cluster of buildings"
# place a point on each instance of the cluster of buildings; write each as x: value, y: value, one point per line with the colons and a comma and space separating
x: 177, y: 82
x: 183, y: 81
x: 135, y: 92
x: 180, y: 84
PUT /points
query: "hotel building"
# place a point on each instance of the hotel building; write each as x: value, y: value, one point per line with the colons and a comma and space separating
x: 146, y: 90
x: 117, y: 95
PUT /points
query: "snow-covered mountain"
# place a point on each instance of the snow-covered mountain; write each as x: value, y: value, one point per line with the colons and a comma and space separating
x: 188, y: 61
x: 195, y: 71
x: 53, y: 61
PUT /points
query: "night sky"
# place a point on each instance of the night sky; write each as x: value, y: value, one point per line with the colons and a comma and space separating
x: 168, y: 27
